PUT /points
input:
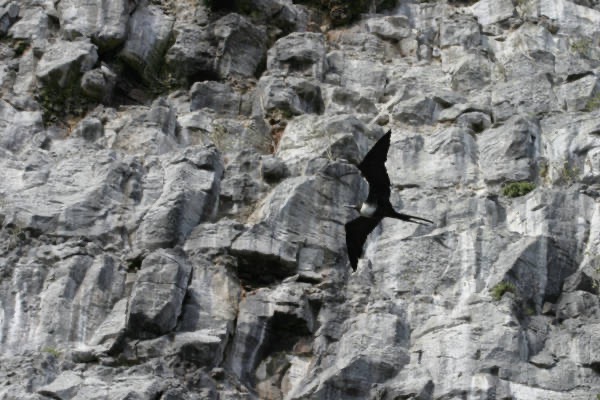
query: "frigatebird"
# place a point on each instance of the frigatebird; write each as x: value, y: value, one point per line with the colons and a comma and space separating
x: 377, y: 206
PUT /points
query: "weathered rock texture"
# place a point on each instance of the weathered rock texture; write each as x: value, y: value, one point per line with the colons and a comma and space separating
x: 173, y: 180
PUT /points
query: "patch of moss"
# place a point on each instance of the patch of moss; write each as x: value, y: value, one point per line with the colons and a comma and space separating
x: 517, y: 189
x: 19, y: 46
x: 529, y: 311
x: 593, y: 103
x: 57, y: 103
x: 503, y: 287
x: 581, y: 46
x: 568, y: 174
x: 52, y: 351
x: 544, y: 169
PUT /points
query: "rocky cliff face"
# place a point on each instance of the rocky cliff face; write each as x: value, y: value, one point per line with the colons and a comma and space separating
x: 172, y: 180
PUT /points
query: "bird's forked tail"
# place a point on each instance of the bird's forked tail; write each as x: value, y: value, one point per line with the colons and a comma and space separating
x: 411, y: 218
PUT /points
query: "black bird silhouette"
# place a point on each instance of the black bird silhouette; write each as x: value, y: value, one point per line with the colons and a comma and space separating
x: 377, y: 206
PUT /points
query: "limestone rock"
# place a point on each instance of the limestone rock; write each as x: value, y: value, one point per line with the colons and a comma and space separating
x: 273, y: 169
x: 217, y: 96
x: 272, y: 321
x: 17, y: 127
x: 459, y: 31
x: 518, y: 143
x: 299, y: 54
x: 158, y: 293
x: 8, y: 16
x: 174, y: 175
x: 577, y: 304
x: 104, y: 21
x: 292, y: 96
x: 142, y: 130
x: 471, y: 73
x: 488, y: 11
x: 357, y: 362
x: 241, y: 46
x: 99, y: 83
x: 394, y: 28
x: 579, y: 95
x: 150, y: 31
x: 33, y: 25
x: 365, y: 77
x: 193, y: 53
x: 89, y: 129
x: 346, y: 101
x: 422, y: 165
x: 510, y: 97
x: 64, y: 387
x: 242, y: 185
x: 307, y: 138
x: 63, y: 63
x: 189, y: 196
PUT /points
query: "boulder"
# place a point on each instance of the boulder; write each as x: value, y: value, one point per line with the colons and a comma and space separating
x: 8, y: 16
x: 241, y: 47
x: 104, y: 21
x: 63, y: 63
x: 489, y: 12
x: 193, y: 55
x: 64, y: 387
x: 514, y: 141
x: 17, y: 128
x: 460, y: 30
x: 290, y: 96
x: 99, y: 83
x: 144, y: 130
x: 189, y: 196
x: 580, y: 94
x: 512, y: 97
x: 157, y: 295
x: 219, y: 97
x: 390, y: 27
x: 150, y: 32
x: 309, y: 137
x: 299, y: 53
x: 271, y: 321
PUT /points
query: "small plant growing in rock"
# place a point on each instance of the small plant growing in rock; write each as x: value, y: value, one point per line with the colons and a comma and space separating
x: 529, y: 311
x: 19, y: 46
x: 52, y: 351
x: 593, y: 103
x: 568, y: 174
x: 501, y: 288
x: 544, y: 168
x: 218, y: 136
x: 581, y: 46
x: 517, y: 189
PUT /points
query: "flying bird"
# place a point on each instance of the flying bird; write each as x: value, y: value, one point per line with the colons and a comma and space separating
x: 377, y: 206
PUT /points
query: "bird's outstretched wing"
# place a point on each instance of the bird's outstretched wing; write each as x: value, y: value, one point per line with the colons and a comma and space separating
x: 373, y: 169
x: 357, y: 231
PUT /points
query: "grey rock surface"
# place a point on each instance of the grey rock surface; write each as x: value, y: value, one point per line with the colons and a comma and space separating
x: 157, y: 294
x: 241, y: 46
x: 173, y: 182
x: 104, y: 21
x: 149, y: 33
x: 65, y: 62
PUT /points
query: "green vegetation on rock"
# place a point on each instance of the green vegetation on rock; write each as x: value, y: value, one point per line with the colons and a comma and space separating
x: 52, y: 351
x: 501, y: 288
x: 593, y: 103
x: 517, y: 189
